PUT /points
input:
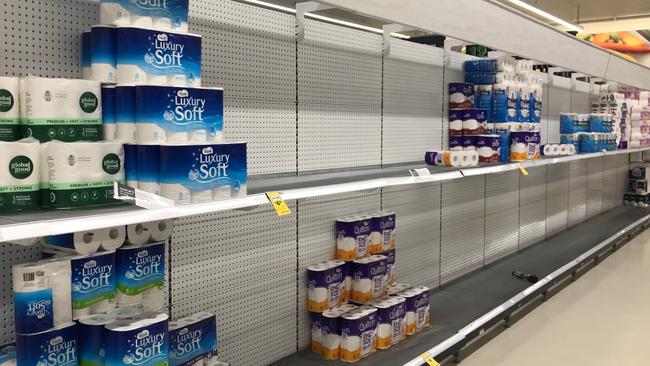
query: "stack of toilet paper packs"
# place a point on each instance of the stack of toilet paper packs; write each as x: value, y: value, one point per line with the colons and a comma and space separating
x: 171, y: 127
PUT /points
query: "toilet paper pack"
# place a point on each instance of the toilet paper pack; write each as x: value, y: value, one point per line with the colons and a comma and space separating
x: 385, y: 223
x: 193, y: 339
x: 10, y: 128
x: 391, y: 322
x: 353, y: 236
x: 57, y: 346
x: 103, y: 62
x: 142, y: 341
x: 140, y: 270
x: 125, y: 113
x: 108, y: 113
x: 163, y: 111
x: 148, y: 168
x: 93, y: 281
x: 417, y: 309
x: 63, y: 109
x: 86, y: 56
x: 316, y: 329
x: 325, y: 285
x: 144, y: 54
x: 358, y: 334
x: 330, y: 339
x: 163, y: 14
x: 19, y: 175
x: 92, y: 338
x: 390, y: 277
x: 82, y: 173
x: 524, y: 146
x: 186, y: 170
x: 368, y: 281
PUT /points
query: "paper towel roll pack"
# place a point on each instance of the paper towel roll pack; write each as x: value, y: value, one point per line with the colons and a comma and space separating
x: 417, y: 309
x: 178, y: 114
x: 42, y: 295
x: 102, y: 59
x: 325, y: 285
x: 368, y: 281
x: 156, y: 57
x: 20, y: 175
x: 163, y: 15
x: 203, y: 172
x: 56, y: 346
x: 93, y: 284
x: 139, y: 341
x: 483, y: 100
x: 353, y: 237
x: 193, y: 339
x: 358, y: 334
x: 461, y: 95
x: 140, y: 273
x: 391, y: 320
x: 63, y: 109
x: 82, y: 173
x: 10, y: 128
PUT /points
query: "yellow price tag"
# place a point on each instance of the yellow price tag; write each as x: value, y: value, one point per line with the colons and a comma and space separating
x: 523, y: 170
x: 426, y: 357
x: 280, y: 206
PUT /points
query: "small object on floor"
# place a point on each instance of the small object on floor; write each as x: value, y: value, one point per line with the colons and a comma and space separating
x: 525, y: 276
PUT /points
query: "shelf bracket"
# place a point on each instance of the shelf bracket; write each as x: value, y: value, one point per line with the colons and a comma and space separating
x: 301, y: 10
x: 390, y: 29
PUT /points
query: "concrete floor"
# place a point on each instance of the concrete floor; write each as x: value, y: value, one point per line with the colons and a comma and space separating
x: 601, y: 319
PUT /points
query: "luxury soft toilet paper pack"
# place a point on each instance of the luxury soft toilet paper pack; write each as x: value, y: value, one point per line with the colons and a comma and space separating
x: 62, y: 109
x: 161, y: 14
x: 145, y: 55
x: 161, y: 112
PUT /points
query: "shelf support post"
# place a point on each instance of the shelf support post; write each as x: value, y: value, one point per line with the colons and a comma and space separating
x: 302, y: 9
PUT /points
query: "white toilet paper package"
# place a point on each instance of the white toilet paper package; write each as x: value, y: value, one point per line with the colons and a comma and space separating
x: 57, y: 346
x: 140, y: 271
x: 203, y: 172
x: 82, y: 174
x: 10, y: 128
x: 160, y: 58
x: 63, y: 109
x: 93, y: 284
x: 20, y: 175
x: 142, y: 341
x: 42, y: 295
x: 325, y: 285
x: 160, y: 14
x: 193, y: 339
x: 178, y: 114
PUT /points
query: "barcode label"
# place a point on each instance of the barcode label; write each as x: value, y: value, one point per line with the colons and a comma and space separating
x: 421, y: 315
x: 29, y: 277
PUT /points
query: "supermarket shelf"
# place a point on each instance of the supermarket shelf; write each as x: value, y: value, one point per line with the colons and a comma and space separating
x: 502, y: 28
x: 462, y: 309
x: 48, y: 222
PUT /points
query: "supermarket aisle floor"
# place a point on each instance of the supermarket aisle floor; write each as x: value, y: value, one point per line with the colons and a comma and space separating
x: 601, y: 319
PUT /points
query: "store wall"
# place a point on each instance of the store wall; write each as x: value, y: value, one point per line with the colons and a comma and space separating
x: 331, y: 101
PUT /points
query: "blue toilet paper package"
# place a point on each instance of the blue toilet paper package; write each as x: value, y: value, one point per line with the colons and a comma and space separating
x: 33, y: 311
x: 138, y: 342
x: 192, y: 339
x: 160, y: 53
x: 93, y: 279
x: 125, y: 104
x: 86, y: 54
x: 181, y: 109
x: 131, y: 164
x: 57, y: 347
x: 173, y: 10
x: 103, y: 52
x: 205, y: 166
x: 148, y: 163
x: 92, y: 339
x: 140, y: 268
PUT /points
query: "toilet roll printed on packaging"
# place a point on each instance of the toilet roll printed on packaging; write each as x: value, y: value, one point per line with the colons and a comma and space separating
x: 102, y: 57
x: 10, y: 128
x: 93, y: 283
x: 163, y: 113
x: 325, y: 285
x: 56, y: 346
x: 417, y: 309
x: 144, y: 54
x: 385, y: 223
x: 86, y: 56
x: 353, y: 237
x: 63, y: 109
x: 83, y: 173
x: 189, y: 170
x: 140, y: 270
x: 20, y: 175
x: 390, y: 277
x: 369, y: 278
x: 391, y: 322
x: 316, y: 329
x: 92, y: 338
x: 358, y: 334
x: 193, y: 339
x: 160, y: 14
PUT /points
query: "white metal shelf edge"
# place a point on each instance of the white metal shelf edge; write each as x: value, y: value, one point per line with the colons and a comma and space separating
x: 32, y: 229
